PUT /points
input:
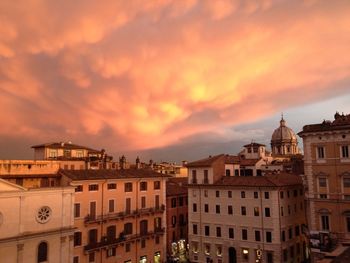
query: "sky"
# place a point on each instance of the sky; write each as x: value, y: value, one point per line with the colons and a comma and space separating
x: 168, y: 79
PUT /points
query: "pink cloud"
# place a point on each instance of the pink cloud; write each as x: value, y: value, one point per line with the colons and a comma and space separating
x: 140, y: 74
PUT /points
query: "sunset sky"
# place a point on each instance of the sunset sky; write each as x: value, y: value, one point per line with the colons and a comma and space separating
x: 168, y: 79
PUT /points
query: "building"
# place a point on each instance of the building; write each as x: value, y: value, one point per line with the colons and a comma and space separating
x: 244, y: 218
x: 177, y: 218
x: 72, y: 155
x: 36, y: 225
x: 119, y: 215
x: 327, y: 171
x: 284, y: 141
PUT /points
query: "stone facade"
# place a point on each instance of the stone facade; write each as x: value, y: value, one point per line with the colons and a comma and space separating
x: 36, y: 225
x: 327, y: 171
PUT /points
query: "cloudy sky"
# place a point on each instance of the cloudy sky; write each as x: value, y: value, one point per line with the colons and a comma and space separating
x: 168, y: 79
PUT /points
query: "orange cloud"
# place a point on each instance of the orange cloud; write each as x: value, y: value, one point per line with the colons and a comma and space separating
x: 139, y: 74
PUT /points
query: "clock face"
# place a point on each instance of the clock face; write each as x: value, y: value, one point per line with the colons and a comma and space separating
x: 44, y: 214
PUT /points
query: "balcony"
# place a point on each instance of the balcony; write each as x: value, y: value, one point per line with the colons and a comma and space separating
x: 89, y: 219
x: 108, y: 242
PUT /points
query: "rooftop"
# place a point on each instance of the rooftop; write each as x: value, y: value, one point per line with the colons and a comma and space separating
x: 79, y: 175
x: 341, y: 122
x: 176, y: 186
x: 269, y: 180
x: 64, y: 145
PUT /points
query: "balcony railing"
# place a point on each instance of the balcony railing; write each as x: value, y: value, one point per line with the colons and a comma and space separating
x: 108, y: 242
x: 89, y: 219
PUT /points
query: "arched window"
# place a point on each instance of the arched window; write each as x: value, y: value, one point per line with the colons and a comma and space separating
x: 42, y: 252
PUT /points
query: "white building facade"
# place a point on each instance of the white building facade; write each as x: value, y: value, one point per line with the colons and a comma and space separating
x: 36, y: 225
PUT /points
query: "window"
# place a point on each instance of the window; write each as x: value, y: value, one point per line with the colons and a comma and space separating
x: 229, y: 194
x: 156, y: 201
x: 157, y: 223
x: 269, y: 257
x: 281, y: 194
x: 244, y: 234
x: 111, y: 233
x: 195, y: 229
x: 346, y: 182
x: 111, y: 252
x: 156, y: 185
x: 128, y: 228
x: 228, y: 172
x: 267, y: 195
x: 128, y: 187
x: 283, y: 235
x: 256, y: 195
x: 76, y: 210
x: 79, y: 188
x: 267, y: 212
x: 92, y: 257
x: 144, y: 226
x: 268, y: 237
x: 127, y: 205
x: 295, y: 193
x: 42, y: 252
x: 173, y: 202
x: 288, y: 209
x: 217, y: 193
x: 345, y: 151
x: 143, y: 243
x: 282, y: 212
x: 218, y: 231
x: 111, y: 186
x: 194, y: 176
x: 205, y: 193
x: 207, y: 249
x: 297, y: 230
x: 256, y: 211
x: 290, y: 233
x: 206, y: 179
x: 127, y: 247
x: 285, y: 255
x: 236, y: 172
x: 173, y: 221
x: 92, y: 236
x: 93, y: 187
x: 143, y: 186
x: 194, y: 208
x: 217, y: 209
x: 325, y: 222
x: 207, y: 230
x: 348, y: 223
x: 257, y: 235
x: 143, y: 201
x: 181, y: 201
x: 76, y: 259
x: 320, y: 152
x: 322, y: 182
x: 291, y: 249
x: 323, y: 196
x: 230, y: 210
x: 206, y: 208
x: 231, y: 233
x: 242, y: 194
x: 111, y: 206
x: 243, y: 211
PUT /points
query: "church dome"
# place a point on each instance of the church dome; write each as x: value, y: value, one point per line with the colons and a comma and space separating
x: 283, y: 133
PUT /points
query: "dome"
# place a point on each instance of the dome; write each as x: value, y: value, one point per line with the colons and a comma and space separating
x: 283, y: 133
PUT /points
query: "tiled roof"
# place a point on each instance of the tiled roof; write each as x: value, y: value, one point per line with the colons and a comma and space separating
x: 231, y: 159
x: 63, y: 145
x: 205, y: 162
x: 176, y: 186
x: 270, y: 180
x: 9, y: 176
x: 248, y: 162
x: 110, y: 174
